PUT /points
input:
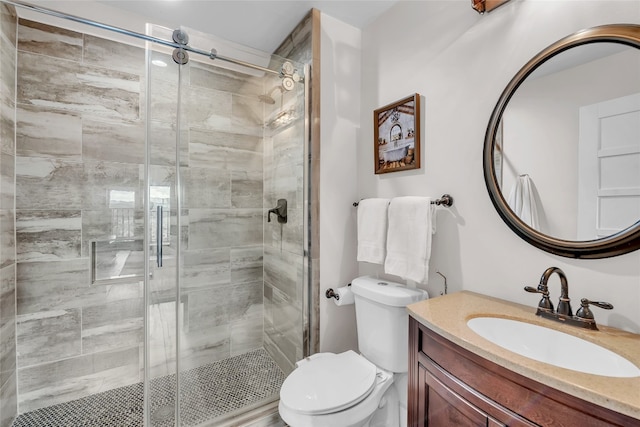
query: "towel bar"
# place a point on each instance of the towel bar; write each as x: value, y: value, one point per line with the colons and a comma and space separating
x: 445, y: 200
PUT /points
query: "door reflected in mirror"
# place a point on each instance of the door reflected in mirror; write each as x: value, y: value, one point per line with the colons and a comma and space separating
x: 567, y: 153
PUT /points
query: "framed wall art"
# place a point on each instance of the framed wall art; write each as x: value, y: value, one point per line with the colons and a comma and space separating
x: 397, y: 135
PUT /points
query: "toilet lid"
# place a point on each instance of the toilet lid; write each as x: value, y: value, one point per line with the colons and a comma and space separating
x: 329, y: 383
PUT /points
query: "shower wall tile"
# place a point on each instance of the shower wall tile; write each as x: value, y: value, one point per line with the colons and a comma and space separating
x: 216, y: 307
x: 7, y: 74
x: 51, y: 285
x: 170, y: 72
x: 7, y: 323
x: 204, y: 346
x: 49, y: 40
x: 163, y: 99
x: 282, y: 323
x: 246, y: 264
x: 70, y: 86
x: 288, y: 238
x: 209, y: 109
x: 284, y: 181
x: 56, y: 285
x: 80, y: 149
x: 246, y: 301
x: 246, y: 189
x: 217, y: 228
x: 48, y: 235
x: 162, y: 143
x: 8, y: 401
x: 43, y: 183
x: 47, y: 336
x: 8, y: 376
x: 283, y: 270
x: 101, y: 178
x: 8, y: 23
x: 223, y: 150
x: 114, y: 55
x: 246, y: 334
x: 206, y: 188
x: 100, y: 225
x: 68, y: 379
x: 113, y: 325
x: 7, y: 237
x: 162, y: 338
x: 42, y: 132
x: 7, y: 181
x: 247, y: 115
x: 211, y: 77
x: 7, y: 125
x: 297, y: 46
x: 163, y: 176
x: 207, y: 308
x: 208, y: 268
x: 113, y: 141
x: 276, y: 353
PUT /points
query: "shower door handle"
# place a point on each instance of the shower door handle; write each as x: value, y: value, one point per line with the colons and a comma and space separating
x: 159, y: 236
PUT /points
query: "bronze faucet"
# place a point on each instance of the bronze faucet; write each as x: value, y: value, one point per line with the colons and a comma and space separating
x: 564, y: 305
x: 584, y: 316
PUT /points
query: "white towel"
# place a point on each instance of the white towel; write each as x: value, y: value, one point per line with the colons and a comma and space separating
x: 522, y: 201
x: 372, y: 230
x: 411, y: 225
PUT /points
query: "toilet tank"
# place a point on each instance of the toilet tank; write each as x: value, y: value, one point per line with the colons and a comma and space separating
x: 382, y: 320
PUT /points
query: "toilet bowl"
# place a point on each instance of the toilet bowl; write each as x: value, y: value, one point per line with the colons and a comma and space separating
x: 358, y: 390
x: 333, y: 390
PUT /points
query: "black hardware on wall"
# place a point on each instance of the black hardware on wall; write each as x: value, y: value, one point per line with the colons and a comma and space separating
x: 280, y: 210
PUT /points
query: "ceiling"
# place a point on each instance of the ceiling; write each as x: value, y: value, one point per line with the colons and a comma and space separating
x: 261, y: 24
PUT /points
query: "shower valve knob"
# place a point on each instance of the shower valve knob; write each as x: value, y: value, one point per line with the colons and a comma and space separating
x: 287, y: 68
x: 288, y: 83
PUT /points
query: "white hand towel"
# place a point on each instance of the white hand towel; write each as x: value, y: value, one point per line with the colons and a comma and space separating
x: 411, y: 225
x: 372, y: 230
x: 522, y: 201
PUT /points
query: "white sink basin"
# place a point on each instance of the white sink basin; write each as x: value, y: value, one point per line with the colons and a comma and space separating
x: 553, y: 347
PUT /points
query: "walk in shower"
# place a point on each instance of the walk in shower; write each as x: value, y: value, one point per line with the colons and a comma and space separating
x: 143, y: 280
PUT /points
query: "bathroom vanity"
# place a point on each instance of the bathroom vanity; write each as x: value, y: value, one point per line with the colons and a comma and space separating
x: 456, y: 377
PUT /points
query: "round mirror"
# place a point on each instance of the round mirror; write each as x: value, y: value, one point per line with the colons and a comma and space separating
x: 562, y: 149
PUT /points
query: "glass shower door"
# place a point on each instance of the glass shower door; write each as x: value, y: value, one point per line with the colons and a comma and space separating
x: 225, y: 294
x: 163, y: 304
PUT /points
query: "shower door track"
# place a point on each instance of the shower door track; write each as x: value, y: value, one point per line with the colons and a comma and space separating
x: 213, y: 55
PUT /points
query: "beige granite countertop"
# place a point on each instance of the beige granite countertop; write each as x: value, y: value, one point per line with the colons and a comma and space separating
x: 448, y: 315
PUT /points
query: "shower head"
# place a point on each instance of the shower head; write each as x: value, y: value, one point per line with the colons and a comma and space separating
x: 267, y: 99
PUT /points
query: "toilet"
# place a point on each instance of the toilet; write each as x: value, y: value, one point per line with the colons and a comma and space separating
x: 358, y: 390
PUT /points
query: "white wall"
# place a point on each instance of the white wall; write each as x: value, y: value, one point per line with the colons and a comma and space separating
x: 339, y: 132
x: 460, y: 62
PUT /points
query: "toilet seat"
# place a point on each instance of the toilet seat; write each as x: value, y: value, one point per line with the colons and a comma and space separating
x: 328, y: 383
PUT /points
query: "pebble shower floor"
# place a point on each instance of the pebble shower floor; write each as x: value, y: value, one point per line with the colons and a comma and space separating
x: 208, y: 392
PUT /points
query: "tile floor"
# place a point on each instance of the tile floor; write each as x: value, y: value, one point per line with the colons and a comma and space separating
x: 208, y: 392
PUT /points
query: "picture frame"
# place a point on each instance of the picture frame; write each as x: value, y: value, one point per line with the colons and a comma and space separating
x: 397, y: 136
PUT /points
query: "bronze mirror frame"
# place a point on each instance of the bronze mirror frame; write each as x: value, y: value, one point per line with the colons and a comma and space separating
x: 625, y: 241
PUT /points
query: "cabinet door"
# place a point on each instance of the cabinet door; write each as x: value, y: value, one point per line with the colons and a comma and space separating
x: 444, y: 408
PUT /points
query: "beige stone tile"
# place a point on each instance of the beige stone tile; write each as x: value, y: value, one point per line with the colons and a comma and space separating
x: 48, y: 235
x: 47, y: 336
x: 44, y: 39
x: 42, y: 132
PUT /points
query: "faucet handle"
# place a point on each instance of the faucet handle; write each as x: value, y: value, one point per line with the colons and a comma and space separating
x: 545, y: 303
x: 584, y: 312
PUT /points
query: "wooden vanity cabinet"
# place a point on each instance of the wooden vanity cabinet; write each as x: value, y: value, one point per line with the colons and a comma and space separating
x: 451, y: 386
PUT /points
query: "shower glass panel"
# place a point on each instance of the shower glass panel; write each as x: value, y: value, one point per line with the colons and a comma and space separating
x: 226, y: 286
x: 150, y: 287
